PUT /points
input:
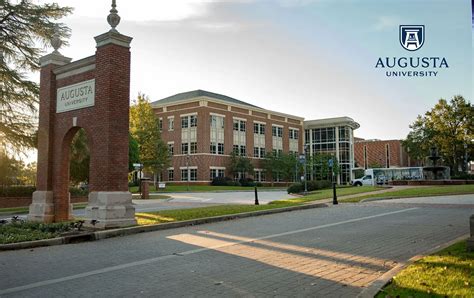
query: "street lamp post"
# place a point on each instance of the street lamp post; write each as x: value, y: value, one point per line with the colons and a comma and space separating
x: 305, y: 162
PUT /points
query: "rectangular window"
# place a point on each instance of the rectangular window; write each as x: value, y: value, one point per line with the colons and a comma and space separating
x: 184, y: 175
x: 170, y: 124
x: 277, y: 131
x: 171, y: 149
x: 259, y: 128
x: 213, y: 174
x: 220, y: 148
x: 306, y: 136
x: 293, y: 134
x: 160, y: 124
x: 236, y: 125
x: 184, y: 122
x: 193, y: 120
x: 239, y: 125
x: 243, y: 150
x: 256, y: 152
x: 274, y: 131
x: 193, y: 174
x: 170, y: 175
x: 194, y: 147
x: 213, y: 121
x: 184, y: 148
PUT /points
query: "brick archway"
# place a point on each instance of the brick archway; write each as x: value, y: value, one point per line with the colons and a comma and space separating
x: 93, y: 94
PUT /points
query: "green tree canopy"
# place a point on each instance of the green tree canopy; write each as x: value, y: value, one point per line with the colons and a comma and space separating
x: 144, y: 128
x: 240, y: 164
x: 25, y: 29
x: 449, y: 126
x: 79, y: 158
x: 133, y: 153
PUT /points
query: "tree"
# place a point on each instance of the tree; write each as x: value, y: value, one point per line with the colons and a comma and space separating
x: 23, y: 27
x: 144, y: 128
x: 9, y: 168
x: 319, y: 165
x: 240, y: 164
x: 282, y: 165
x: 79, y: 158
x: 133, y: 153
x: 447, y: 126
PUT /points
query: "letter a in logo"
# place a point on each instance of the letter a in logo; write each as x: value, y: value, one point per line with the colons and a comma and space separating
x: 412, y: 37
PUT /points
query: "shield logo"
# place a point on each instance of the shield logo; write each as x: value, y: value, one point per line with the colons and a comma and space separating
x: 412, y: 37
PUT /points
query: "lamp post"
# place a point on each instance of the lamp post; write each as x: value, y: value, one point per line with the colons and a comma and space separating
x: 187, y: 171
x: 306, y: 147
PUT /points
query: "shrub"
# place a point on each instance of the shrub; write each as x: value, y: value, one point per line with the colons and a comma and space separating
x: 17, y: 191
x: 247, y: 182
x: 26, y: 231
x: 258, y: 184
x: 311, y: 186
x: 295, y: 188
x: 78, y: 192
x: 222, y: 181
x: 463, y: 176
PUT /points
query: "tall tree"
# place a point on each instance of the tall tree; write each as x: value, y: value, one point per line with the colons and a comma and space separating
x: 144, y: 127
x: 79, y: 158
x: 449, y: 126
x: 133, y: 153
x: 25, y: 29
x: 240, y: 164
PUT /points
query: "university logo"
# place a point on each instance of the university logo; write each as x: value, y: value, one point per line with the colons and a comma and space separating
x: 412, y: 37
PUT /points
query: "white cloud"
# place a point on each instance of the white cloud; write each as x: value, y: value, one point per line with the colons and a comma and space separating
x: 388, y: 22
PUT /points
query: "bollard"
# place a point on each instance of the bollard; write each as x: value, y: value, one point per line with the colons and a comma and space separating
x: 334, y: 196
x: 470, y: 241
x: 256, y: 196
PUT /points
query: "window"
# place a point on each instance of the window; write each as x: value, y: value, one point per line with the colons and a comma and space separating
x: 258, y: 152
x: 160, y: 124
x: 171, y: 149
x: 240, y: 150
x: 277, y: 152
x: 184, y: 148
x: 170, y: 175
x: 170, y: 124
x: 239, y: 125
x: 184, y: 122
x: 259, y: 128
x: 277, y: 176
x: 293, y: 134
x: 259, y: 176
x: 193, y: 174
x: 193, y: 120
x: 217, y: 148
x: 306, y: 136
x: 214, y: 173
x: 194, y: 147
x: 277, y: 131
x: 220, y: 148
x: 184, y: 175
x: 217, y: 121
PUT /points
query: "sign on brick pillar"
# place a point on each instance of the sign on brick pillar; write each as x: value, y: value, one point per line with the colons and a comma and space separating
x: 92, y: 94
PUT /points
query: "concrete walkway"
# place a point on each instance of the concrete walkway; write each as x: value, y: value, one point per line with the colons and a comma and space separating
x: 338, y: 251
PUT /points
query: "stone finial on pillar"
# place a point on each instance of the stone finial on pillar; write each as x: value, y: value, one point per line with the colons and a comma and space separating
x: 55, y: 57
x: 113, y: 18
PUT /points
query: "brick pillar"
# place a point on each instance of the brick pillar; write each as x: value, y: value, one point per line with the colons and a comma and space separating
x: 42, y: 207
x: 110, y: 202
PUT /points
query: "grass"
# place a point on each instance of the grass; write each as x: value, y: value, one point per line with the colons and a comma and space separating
x: 196, y: 213
x: 448, y: 273
x: 165, y: 216
x: 28, y: 231
x: 200, y: 188
x: 421, y: 191
x: 23, y: 210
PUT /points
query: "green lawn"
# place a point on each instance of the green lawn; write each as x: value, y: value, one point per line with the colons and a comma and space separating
x: 421, y: 191
x: 201, y: 188
x: 164, y: 216
x: 448, y: 273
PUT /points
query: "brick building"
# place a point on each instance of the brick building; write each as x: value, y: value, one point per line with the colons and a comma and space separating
x: 380, y: 153
x: 202, y: 128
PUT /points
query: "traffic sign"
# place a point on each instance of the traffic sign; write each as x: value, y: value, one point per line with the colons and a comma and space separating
x: 302, y: 158
x: 330, y: 163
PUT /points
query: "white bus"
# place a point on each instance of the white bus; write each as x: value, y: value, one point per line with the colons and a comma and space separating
x: 384, y: 175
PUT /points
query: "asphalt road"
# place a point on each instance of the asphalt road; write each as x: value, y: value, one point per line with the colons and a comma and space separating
x: 326, y: 252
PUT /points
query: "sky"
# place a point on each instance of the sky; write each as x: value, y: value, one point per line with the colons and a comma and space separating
x: 309, y: 58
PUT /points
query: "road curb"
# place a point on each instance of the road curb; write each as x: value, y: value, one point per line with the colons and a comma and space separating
x: 98, y: 235
x: 412, y: 197
x: 385, y: 278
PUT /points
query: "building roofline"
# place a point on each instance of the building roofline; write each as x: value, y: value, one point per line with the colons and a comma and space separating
x: 336, y: 121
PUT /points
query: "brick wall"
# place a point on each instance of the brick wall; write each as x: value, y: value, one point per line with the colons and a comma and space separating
x: 203, y: 160
x: 371, y: 152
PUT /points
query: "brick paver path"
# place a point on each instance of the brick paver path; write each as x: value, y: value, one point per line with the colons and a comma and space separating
x: 326, y: 252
